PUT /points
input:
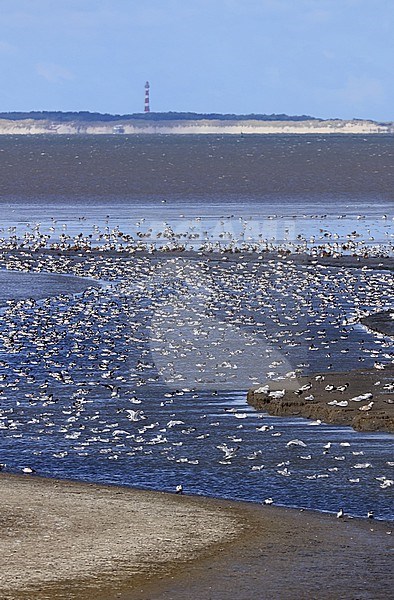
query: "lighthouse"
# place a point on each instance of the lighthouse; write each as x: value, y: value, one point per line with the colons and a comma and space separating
x: 146, y: 105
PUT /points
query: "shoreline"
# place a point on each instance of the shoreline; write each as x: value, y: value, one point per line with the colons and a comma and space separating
x: 240, y: 127
x: 94, y: 541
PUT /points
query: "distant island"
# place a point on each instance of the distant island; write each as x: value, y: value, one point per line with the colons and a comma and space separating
x: 84, y: 122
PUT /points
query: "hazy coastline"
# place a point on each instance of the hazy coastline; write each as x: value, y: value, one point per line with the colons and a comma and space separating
x: 187, y: 127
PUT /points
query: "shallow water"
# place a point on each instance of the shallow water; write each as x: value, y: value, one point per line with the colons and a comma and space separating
x: 15, y: 285
x: 117, y: 350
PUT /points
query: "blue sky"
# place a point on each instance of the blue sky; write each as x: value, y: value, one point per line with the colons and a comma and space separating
x: 326, y: 58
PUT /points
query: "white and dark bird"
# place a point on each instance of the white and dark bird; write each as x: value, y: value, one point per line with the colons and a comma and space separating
x: 28, y: 470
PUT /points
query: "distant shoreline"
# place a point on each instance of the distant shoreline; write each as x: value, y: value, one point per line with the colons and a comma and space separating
x: 139, y: 125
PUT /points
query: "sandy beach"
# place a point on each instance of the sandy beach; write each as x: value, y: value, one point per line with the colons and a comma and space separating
x: 65, y: 539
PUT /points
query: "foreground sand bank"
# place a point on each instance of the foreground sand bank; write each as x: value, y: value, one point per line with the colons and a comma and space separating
x: 55, y: 534
x: 69, y: 540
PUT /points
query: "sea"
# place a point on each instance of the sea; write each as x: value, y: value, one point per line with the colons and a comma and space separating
x: 137, y: 373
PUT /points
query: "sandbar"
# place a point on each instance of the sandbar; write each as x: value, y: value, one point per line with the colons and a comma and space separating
x: 63, y: 539
x: 325, y: 398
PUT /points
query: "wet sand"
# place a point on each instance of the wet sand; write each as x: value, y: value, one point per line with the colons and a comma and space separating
x: 318, y: 402
x: 71, y: 540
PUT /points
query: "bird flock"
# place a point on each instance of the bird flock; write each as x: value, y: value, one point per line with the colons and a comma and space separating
x: 318, y: 234
x: 142, y: 378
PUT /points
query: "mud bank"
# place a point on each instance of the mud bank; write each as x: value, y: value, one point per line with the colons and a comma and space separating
x: 362, y: 399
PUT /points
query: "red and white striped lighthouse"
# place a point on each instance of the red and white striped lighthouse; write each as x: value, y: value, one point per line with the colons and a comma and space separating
x: 146, y: 106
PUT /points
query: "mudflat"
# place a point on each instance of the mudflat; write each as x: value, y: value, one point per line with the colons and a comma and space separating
x: 62, y: 539
x: 361, y: 398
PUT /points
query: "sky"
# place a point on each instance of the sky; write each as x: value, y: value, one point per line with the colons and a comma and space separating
x: 325, y: 58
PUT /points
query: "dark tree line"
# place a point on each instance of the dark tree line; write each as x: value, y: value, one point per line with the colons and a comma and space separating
x: 64, y: 117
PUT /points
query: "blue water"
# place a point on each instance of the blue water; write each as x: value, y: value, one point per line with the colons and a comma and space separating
x: 180, y: 339
x: 293, y: 190
x: 137, y: 346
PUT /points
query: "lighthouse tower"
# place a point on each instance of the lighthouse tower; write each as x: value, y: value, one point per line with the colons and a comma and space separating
x: 146, y: 105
